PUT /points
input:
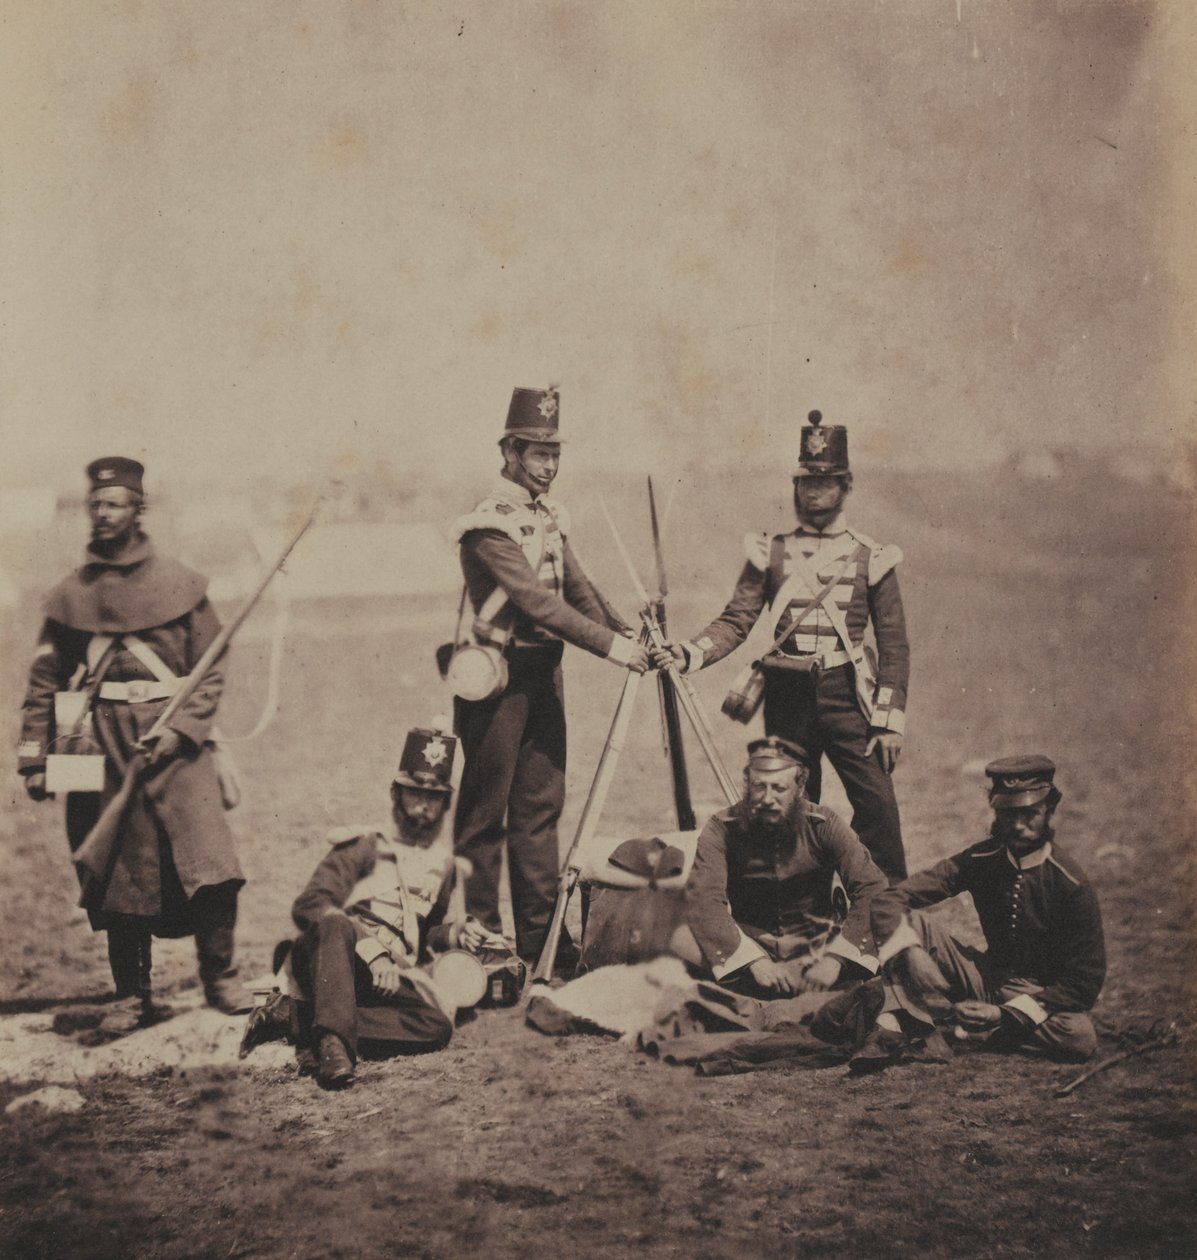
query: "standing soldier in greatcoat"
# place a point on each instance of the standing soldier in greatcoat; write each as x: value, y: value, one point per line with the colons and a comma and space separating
x: 122, y: 632
x: 530, y: 596
x: 825, y: 583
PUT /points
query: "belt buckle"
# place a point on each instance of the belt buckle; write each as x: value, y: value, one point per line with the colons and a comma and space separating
x: 139, y: 691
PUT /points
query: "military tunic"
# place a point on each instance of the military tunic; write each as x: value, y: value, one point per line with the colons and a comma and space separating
x: 374, y: 896
x: 1045, y: 962
x: 794, y: 894
x: 175, y: 870
x: 513, y: 780
x: 833, y: 708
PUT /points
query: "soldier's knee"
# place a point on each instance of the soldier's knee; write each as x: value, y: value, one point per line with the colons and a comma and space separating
x: 335, y: 927
x: 1068, y: 1036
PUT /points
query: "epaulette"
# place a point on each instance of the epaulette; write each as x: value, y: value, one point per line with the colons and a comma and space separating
x: 1068, y: 875
x: 756, y: 550
x: 485, y: 516
x: 338, y: 837
x: 882, y: 558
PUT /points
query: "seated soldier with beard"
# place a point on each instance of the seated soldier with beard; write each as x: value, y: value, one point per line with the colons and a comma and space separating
x: 778, y: 899
x: 376, y: 907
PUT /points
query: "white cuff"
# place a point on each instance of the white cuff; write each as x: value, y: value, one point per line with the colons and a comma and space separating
x: 1026, y: 1005
x: 693, y: 654
x: 621, y: 649
x: 841, y: 947
x: 896, y: 722
x: 748, y: 951
x: 902, y: 938
x: 370, y: 950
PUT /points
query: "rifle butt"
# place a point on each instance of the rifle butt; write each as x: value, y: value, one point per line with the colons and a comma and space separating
x: 94, y: 857
x: 543, y: 971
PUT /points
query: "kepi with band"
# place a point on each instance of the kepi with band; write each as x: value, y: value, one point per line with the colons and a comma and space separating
x: 1017, y: 782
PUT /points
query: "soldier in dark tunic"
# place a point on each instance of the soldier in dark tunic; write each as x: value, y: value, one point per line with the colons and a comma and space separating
x: 778, y: 898
x: 826, y: 582
x: 516, y: 558
x: 1045, y: 963
x: 127, y: 627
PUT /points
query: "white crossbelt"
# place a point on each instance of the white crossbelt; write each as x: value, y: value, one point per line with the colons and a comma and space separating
x: 162, y: 686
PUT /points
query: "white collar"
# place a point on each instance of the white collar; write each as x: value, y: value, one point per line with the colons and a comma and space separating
x: 1035, y: 858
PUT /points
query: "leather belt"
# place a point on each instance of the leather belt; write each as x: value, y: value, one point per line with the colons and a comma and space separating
x: 827, y: 660
x: 139, y: 691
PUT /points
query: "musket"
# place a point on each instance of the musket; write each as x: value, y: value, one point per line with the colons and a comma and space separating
x: 571, y: 870
x: 96, y: 855
x: 675, y: 749
x: 686, y: 694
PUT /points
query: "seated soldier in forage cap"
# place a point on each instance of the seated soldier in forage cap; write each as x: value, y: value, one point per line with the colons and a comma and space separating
x: 1045, y: 962
x: 375, y: 907
x: 778, y: 899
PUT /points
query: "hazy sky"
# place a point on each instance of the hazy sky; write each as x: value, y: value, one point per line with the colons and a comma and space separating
x: 239, y: 234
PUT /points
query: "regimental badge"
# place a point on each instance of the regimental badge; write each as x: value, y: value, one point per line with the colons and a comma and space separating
x: 105, y: 474
x: 434, y: 752
x: 1019, y: 784
x: 816, y: 443
x: 547, y: 406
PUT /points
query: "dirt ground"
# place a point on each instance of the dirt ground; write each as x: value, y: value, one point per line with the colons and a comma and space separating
x: 1032, y: 632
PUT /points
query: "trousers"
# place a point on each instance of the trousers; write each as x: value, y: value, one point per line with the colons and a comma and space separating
x: 1066, y: 1035
x: 512, y: 792
x: 213, y: 916
x: 342, y: 1000
x: 820, y: 711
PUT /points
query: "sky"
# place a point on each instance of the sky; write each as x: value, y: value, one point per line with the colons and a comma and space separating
x: 291, y: 238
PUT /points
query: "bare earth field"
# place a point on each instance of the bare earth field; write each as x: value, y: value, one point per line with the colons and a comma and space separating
x: 1044, y: 617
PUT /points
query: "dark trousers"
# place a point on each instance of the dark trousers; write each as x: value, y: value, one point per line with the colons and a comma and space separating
x: 513, y: 788
x: 342, y: 998
x: 212, y: 913
x: 820, y: 711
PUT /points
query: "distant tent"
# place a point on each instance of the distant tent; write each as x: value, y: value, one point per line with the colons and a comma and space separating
x: 352, y: 561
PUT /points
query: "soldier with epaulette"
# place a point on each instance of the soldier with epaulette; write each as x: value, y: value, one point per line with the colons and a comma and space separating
x: 778, y: 898
x: 823, y: 585
x: 376, y: 907
x: 1045, y: 960
x: 530, y: 597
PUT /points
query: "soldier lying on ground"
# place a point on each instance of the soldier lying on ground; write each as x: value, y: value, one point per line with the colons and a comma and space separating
x: 778, y: 900
x: 1046, y: 961
x: 376, y: 907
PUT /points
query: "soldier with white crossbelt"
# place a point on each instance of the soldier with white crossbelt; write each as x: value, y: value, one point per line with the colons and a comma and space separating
x: 825, y: 583
x: 530, y: 596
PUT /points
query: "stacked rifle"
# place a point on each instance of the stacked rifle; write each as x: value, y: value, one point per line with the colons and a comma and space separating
x: 675, y: 690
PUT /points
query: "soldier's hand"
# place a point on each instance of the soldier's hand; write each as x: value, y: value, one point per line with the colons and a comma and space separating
x: 889, y: 748
x: 386, y: 975
x: 639, y: 659
x: 976, y: 1016
x: 472, y: 935
x: 166, y: 746
x: 924, y: 981
x: 774, y: 976
x: 821, y: 975
x: 35, y: 787
x: 669, y: 654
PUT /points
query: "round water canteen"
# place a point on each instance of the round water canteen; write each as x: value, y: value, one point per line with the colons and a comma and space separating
x: 460, y: 976
x: 477, y: 672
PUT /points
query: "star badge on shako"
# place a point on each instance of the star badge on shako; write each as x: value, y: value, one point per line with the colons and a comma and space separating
x: 547, y: 406
x: 816, y: 443
x: 434, y: 753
